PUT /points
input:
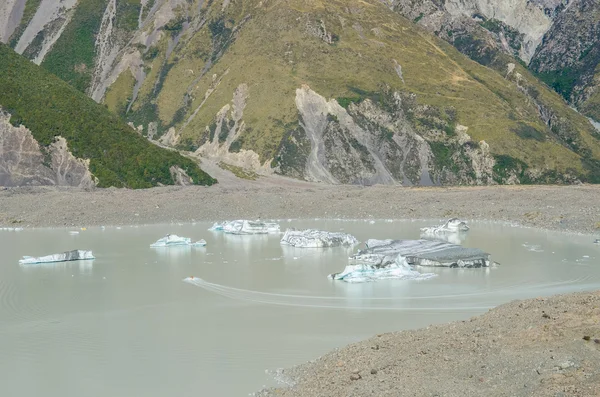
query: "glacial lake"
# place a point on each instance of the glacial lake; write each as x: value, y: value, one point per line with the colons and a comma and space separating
x: 126, y: 324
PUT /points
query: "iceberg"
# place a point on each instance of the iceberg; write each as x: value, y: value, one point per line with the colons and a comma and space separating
x: 311, y: 238
x: 453, y: 225
x: 246, y: 227
x: 380, y: 268
x: 427, y: 253
x: 173, y: 240
x: 75, y: 255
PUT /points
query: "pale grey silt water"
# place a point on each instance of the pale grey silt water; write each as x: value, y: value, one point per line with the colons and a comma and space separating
x: 126, y: 325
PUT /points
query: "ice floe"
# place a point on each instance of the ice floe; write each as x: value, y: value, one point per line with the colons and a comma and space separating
x: 532, y: 247
x: 380, y: 268
x: 246, y: 227
x: 311, y: 238
x: 453, y: 225
x: 75, y: 255
x: 173, y: 240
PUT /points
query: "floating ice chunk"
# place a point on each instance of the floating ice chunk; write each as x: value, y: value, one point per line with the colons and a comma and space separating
x: 532, y: 247
x: 173, y: 240
x: 380, y: 268
x: 246, y: 227
x: 597, y: 241
x: 422, y: 253
x: 217, y: 227
x: 76, y: 255
x: 12, y: 229
x: 73, y: 232
x: 453, y: 225
x: 317, y: 239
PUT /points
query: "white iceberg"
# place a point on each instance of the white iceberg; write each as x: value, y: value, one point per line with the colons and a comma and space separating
x: 246, y: 227
x: 173, y: 240
x: 453, y: 225
x: 311, y: 238
x: 75, y: 255
x: 428, y: 253
x: 380, y: 268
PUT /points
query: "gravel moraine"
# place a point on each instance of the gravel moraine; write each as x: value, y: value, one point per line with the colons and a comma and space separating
x: 563, y: 208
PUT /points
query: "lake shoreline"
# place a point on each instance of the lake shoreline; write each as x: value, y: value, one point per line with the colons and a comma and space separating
x: 541, y: 347
x: 540, y: 207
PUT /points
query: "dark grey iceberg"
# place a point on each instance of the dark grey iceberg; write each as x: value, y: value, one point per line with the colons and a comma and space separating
x: 429, y: 253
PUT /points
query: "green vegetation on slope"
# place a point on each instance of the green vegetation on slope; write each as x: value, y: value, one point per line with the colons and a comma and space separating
x: 50, y: 107
x: 72, y: 56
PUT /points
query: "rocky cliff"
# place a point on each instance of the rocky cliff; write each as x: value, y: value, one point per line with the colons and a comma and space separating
x: 331, y: 91
x: 23, y: 162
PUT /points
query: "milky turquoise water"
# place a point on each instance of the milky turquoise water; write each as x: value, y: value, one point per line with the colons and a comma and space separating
x: 127, y: 325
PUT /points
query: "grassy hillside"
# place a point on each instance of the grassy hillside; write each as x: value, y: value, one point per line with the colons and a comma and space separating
x: 49, y: 107
x: 347, y: 50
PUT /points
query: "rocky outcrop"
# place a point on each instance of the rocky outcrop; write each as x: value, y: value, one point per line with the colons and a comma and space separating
x: 569, y: 56
x: 221, y: 137
x: 23, y: 162
x: 387, y: 143
x: 559, y: 39
x: 515, y: 26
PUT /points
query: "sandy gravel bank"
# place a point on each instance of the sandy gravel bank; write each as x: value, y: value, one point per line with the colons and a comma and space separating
x: 566, y: 208
x: 541, y: 347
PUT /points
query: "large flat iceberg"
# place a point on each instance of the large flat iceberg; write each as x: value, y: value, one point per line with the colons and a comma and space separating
x: 75, y: 255
x: 424, y: 253
x: 311, y: 238
x: 173, y: 240
x: 246, y: 227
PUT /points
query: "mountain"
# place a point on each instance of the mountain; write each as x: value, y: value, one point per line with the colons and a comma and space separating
x: 332, y: 91
x: 52, y: 134
x: 559, y: 40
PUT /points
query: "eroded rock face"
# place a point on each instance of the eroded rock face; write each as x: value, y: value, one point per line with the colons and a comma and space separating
x: 24, y: 163
x: 571, y: 52
x: 370, y: 144
x: 560, y: 39
x: 516, y: 26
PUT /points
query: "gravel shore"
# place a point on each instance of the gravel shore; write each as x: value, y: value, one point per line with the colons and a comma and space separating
x: 541, y: 347
x: 563, y: 208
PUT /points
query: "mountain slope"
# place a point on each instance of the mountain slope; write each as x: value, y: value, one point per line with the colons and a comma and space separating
x: 53, y: 115
x: 558, y: 39
x: 332, y: 91
x: 346, y: 92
